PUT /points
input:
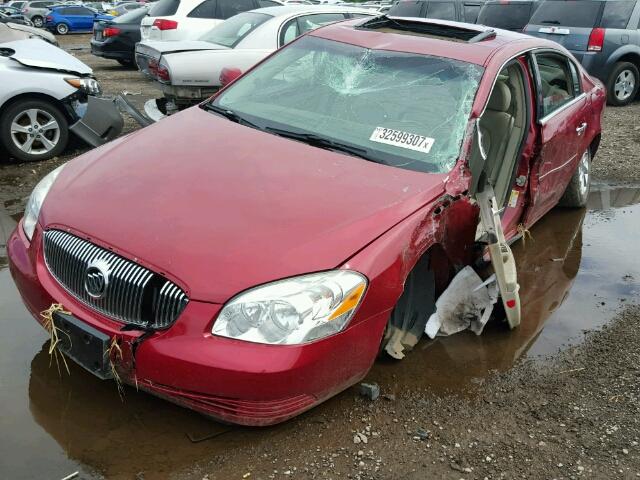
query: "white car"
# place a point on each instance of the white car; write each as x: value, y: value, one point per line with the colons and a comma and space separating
x: 190, y: 71
x: 189, y: 19
x: 46, y: 93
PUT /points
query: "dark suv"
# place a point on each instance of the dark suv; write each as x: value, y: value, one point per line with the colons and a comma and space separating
x: 507, y: 14
x: 456, y: 10
x: 602, y: 35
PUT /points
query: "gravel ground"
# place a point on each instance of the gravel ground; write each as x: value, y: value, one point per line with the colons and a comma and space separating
x: 618, y: 158
x: 575, y: 416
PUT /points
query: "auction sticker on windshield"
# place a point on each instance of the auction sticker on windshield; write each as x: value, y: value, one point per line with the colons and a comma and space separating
x: 401, y: 139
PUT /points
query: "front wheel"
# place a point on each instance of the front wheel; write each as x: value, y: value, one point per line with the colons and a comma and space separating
x: 622, y: 84
x: 577, y: 191
x: 33, y: 130
x: 62, y: 28
x: 37, y: 21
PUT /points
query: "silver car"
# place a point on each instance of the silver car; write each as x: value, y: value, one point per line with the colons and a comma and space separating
x: 37, y: 11
x: 45, y: 95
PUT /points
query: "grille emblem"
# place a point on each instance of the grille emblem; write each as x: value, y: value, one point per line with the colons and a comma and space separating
x: 96, y: 279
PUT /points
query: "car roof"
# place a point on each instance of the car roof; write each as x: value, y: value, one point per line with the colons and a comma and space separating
x: 478, y: 52
x: 286, y: 10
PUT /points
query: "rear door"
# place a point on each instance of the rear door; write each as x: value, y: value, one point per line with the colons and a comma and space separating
x: 568, y: 23
x: 562, y: 112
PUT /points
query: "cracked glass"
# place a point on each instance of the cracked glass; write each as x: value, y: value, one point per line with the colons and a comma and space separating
x: 419, y: 105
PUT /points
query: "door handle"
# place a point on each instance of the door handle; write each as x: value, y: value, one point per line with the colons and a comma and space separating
x: 580, y: 130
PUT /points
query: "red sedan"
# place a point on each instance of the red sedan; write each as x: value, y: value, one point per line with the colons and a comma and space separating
x: 252, y: 256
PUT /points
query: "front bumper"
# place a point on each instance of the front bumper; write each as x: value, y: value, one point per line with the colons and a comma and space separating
x: 229, y: 380
x: 100, y: 123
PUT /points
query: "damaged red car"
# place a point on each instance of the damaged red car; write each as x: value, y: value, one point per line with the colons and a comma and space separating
x: 253, y: 255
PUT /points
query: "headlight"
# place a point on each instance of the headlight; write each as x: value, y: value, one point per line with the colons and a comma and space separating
x: 35, y: 202
x: 293, y: 311
x: 88, y: 85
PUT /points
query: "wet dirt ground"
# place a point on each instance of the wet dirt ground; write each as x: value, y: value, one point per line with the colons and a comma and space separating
x: 556, y: 398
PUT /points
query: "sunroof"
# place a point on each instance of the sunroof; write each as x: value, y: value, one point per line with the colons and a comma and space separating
x: 436, y: 30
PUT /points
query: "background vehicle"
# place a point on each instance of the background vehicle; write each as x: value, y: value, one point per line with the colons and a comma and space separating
x: 507, y: 14
x: 602, y: 35
x: 63, y: 20
x: 189, y: 71
x: 188, y: 19
x: 124, y: 8
x: 15, y: 13
x: 37, y: 11
x: 45, y: 93
x: 13, y: 31
x: 16, y: 4
x: 117, y: 38
x: 457, y: 10
x: 16, y: 19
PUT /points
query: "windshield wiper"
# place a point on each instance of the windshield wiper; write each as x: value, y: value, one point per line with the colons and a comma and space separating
x: 322, y: 142
x: 230, y: 114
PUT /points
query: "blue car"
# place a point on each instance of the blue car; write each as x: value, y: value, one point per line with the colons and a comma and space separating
x: 73, y: 18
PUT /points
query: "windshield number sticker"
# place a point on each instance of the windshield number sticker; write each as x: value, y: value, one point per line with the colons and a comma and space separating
x: 401, y: 139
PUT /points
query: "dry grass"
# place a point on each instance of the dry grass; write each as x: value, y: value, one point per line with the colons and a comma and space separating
x: 54, y: 335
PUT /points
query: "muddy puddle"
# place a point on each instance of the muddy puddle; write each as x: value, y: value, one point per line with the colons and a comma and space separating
x: 575, y: 273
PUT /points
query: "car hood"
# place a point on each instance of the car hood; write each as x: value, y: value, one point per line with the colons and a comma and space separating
x: 38, y: 54
x: 220, y: 207
x: 156, y: 48
x: 34, y: 32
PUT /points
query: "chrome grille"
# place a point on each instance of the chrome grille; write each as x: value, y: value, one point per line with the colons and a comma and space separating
x: 132, y: 294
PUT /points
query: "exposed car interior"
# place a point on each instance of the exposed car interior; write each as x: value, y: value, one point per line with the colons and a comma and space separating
x: 502, y: 128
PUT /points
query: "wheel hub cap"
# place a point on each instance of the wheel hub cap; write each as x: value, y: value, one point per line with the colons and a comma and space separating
x: 35, y: 131
x: 625, y: 84
x: 583, y: 173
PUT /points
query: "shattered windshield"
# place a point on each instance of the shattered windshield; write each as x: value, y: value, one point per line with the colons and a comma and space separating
x: 401, y: 109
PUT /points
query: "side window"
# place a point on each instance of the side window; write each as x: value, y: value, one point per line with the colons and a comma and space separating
x: 311, y: 22
x: 229, y: 8
x: 557, y: 81
x: 75, y: 11
x: 471, y: 12
x: 441, y: 10
x: 267, y: 3
x: 616, y: 14
x: 289, y: 32
x: 206, y: 9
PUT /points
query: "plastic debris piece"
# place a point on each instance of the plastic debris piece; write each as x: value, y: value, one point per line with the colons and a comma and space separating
x: 370, y: 390
x: 467, y: 303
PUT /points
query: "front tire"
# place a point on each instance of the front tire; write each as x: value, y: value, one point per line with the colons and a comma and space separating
x: 622, y: 84
x: 37, y: 21
x: 33, y: 130
x: 62, y: 28
x: 577, y: 192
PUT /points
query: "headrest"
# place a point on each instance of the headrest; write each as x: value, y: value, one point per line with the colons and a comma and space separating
x: 500, y: 99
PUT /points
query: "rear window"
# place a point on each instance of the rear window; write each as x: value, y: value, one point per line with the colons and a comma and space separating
x: 616, y: 14
x: 134, y: 16
x: 408, y: 8
x: 231, y: 32
x: 580, y: 14
x: 164, y: 8
x: 510, y: 16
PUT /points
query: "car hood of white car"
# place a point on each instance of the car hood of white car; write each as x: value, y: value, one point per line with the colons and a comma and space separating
x: 40, y: 54
x: 150, y: 47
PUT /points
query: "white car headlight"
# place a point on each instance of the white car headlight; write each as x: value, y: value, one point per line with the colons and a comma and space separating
x: 293, y: 311
x: 32, y: 211
x: 87, y: 84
